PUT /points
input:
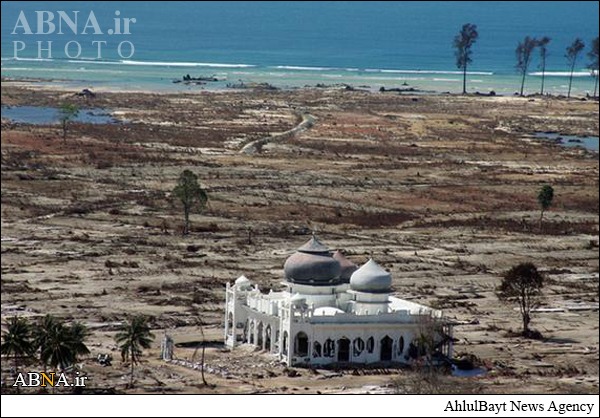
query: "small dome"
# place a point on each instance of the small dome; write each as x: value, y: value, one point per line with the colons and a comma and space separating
x: 313, y: 265
x: 348, y: 267
x: 298, y: 299
x: 371, y: 278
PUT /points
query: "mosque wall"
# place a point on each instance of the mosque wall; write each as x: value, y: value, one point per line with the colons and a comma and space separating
x: 322, y: 320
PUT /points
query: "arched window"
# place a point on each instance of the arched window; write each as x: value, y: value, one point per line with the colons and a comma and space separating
x: 251, y: 333
x: 230, y: 329
x: 401, y: 346
x: 359, y: 347
x: 371, y: 345
x: 301, y: 345
x: 259, y: 335
x: 317, y: 350
x: 268, y: 338
x: 246, y: 331
x: 285, y: 343
x: 329, y: 348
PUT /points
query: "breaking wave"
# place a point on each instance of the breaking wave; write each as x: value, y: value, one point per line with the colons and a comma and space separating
x: 432, y: 72
x: 563, y: 74
x: 184, y: 64
x: 299, y: 68
x: 134, y: 63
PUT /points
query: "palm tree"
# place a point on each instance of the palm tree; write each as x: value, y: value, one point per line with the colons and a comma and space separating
x: 41, y: 335
x: 78, y: 333
x: 543, y: 45
x: 58, y: 351
x: 59, y: 345
x: 133, y: 337
x: 17, y: 341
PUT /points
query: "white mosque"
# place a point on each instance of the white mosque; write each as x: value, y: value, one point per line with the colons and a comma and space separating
x: 332, y: 312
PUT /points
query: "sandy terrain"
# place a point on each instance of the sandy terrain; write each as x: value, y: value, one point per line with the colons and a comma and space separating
x: 441, y: 190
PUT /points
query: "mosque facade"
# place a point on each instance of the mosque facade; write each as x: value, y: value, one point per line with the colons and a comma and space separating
x: 333, y: 312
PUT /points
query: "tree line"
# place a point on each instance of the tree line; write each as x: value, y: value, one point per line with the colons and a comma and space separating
x: 525, y: 55
x: 53, y: 344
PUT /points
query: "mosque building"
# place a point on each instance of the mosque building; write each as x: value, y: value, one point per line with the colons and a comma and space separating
x: 332, y: 312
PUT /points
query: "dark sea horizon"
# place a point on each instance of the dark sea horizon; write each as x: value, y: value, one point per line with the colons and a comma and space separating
x: 293, y: 44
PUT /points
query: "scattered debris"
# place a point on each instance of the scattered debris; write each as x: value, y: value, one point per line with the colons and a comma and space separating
x: 105, y: 360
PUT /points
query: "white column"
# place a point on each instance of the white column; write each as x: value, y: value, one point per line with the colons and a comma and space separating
x: 227, y: 314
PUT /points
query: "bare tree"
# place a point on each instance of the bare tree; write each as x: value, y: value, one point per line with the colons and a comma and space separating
x: 593, y: 54
x: 426, y: 351
x: 543, y: 45
x: 463, y: 44
x: 572, y: 56
x: 524, y: 56
x: 202, y: 347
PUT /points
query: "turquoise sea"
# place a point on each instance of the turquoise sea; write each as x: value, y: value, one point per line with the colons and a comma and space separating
x: 293, y: 44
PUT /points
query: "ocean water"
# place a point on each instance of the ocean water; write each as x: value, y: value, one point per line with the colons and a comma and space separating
x: 291, y: 44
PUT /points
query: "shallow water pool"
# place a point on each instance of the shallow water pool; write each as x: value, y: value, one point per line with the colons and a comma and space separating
x: 588, y: 142
x: 35, y: 115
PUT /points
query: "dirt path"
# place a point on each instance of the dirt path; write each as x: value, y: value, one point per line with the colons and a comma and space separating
x: 255, y: 147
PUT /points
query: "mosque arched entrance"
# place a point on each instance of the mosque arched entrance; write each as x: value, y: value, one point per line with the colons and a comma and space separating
x: 344, y: 350
x: 268, y: 337
x: 259, y: 335
x: 387, y: 345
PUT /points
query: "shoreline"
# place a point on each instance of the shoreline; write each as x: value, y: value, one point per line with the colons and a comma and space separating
x: 68, y: 86
x: 125, y: 106
x: 125, y: 77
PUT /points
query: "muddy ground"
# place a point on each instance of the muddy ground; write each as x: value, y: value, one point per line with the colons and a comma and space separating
x: 440, y: 189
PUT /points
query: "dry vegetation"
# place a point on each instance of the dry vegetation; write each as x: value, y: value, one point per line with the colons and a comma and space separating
x: 441, y: 190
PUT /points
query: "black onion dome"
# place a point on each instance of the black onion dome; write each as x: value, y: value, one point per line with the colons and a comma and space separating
x: 313, y: 265
x: 348, y: 267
